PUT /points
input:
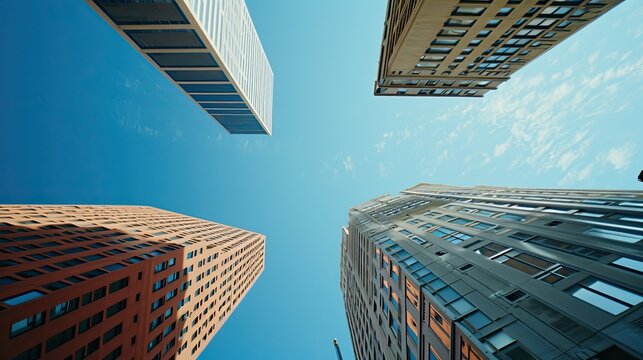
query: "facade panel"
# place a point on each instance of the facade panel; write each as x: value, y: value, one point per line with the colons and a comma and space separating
x: 117, y: 281
x: 199, y: 38
x: 441, y: 272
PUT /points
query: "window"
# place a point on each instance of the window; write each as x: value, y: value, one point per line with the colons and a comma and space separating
x: 116, y: 308
x: 412, y: 328
x: 440, y: 326
x: 63, y: 308
x: 452, y: 32
x: 6, y: 280
x: 112, y: 333
x: 449, y: 42
x: 28, y: 323
x: 94, y: 273
x: 173, y: 277
x: 117, y: 285
x: 33, y: 353
x: 556, y: 11
x: 114, y: 354
x: 467, y: 352
x: 629, y: 264
x: 528, y: 33
x: 438, y: 50
x: 29, y: 273
x: 468, y: 11
x: 476, y: 320
x: 557, y: 274
x: 165, y: 39
x: 394, y: 325
x: 459, y: 22
x: 412, y: 294
x: 156, y: 322
x: 491, y: 249
x: 512, y: 217
x: 169, y: 329
x: 432, y: 354
x: 605, y: 296
x: 159, y: 285
x: 85, y: 351
x: 69, y: 263
x: 90, y: 322
x: 475, y: 42
x: 154, y: 342
x: 504, y: 11
x: 461, y: 306
x: 171, y: 294
x: 395, y: 300
x: 500, y: 340
x: 93, y: 296
x: 157, y: 303
x: 23, y: 298
x: 614, y: 235
x: 60, y: 338
x: 493, y: 23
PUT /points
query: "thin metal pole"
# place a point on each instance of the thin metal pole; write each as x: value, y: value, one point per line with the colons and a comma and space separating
x: 337, y: 350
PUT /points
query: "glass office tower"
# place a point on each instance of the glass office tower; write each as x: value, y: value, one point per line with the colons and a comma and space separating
x: 443, y: 272
x: 118, y: 282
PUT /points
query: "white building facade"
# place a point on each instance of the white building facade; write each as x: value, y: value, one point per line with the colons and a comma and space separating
x: 208, y: 48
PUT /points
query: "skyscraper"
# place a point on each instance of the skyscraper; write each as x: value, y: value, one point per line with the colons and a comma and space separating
x: 469, y: 47
x: 208, y: 48
x: 442, y: 272
x: 111, y: 282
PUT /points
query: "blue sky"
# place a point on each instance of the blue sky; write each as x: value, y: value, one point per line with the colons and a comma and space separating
x: 86, y: 120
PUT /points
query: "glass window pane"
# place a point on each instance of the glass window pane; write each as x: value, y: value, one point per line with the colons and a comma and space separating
x: 183, y: 59
x: 629, y: 264
x: 197, y: 75
x: 616, y: 292
x: 209, y: 88
x: 142, y: 12
x: 23, y: 298
x: 500, y: 339
x: 165, y: 39
x: 614, y: 235
x: 599, y: 301
x: 462, y: 306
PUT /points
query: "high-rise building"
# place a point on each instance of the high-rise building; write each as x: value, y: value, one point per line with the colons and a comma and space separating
x: 442, y: 272
x: 208, y: 48
x: 468, y: 47
x: 108, y: 282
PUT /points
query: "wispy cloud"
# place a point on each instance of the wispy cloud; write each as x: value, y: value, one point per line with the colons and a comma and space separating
x: 382, y: 144
x: 547, y: 119
x: 133, y: 120
x: 383, y: 169
x: 620, y: 156
x: 348, y: 164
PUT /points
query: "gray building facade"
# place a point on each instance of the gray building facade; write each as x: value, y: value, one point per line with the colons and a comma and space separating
x: 443, y: 272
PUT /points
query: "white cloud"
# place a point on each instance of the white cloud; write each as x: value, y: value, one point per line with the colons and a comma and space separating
x: 620, y: 157
x: 501, y: 148
x: 348, y: 164
x: 577, y: 175
x: 382, y: 144
x: 383, y: 170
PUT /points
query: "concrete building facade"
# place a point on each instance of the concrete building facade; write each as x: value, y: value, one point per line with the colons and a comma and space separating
x: 442, y: 272
x: 469, y: 47
x: 208, y: 48
x: 118, y: 282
